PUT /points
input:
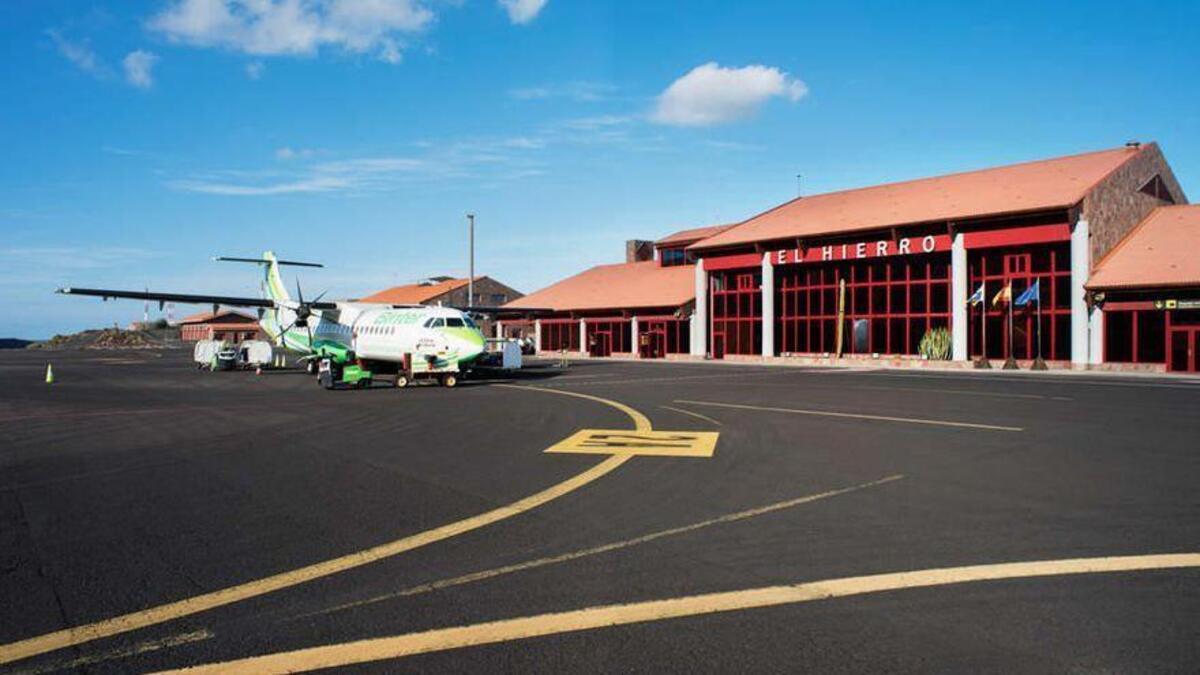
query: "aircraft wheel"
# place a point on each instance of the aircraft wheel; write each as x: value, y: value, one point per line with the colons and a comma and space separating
x: 311, y: 367
x: 401, y: 381
x: 449, y: 380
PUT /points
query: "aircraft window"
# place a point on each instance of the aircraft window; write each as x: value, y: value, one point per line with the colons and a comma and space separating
x: 467, y: 320
x: 454, y: 323
x: 438, y: 323
x: 428, y: 323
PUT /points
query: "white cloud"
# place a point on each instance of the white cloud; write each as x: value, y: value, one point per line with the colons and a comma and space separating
x: 294, y: 27
x: 315, y: 184
x: 579, y: 90
x: 78, y: 53
x: 285, y: 153
x: 522, y: 11
x: 254, y: 69
x: 139, y: 67
x: 710, y: 94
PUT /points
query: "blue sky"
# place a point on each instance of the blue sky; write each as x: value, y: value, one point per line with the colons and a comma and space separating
x: 142, y: 138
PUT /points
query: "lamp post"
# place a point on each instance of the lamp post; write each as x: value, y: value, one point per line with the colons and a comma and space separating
x: 471, y: 263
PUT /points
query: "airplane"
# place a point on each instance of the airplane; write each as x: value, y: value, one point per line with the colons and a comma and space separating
x: 346, y: 342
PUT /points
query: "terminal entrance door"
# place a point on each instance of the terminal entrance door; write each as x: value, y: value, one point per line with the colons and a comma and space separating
x: 1183, y: 340
x: 601, y: 344
x: 1185, y: 350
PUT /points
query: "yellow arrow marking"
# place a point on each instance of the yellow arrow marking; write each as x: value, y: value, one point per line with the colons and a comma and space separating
x: 365, y: 651
x: 623, y: 442
x: 41, y: 644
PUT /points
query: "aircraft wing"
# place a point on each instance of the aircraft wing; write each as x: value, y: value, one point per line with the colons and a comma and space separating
x: 186, y: 298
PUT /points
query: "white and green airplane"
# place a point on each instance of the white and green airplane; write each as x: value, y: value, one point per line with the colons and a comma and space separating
x: 346, y: 339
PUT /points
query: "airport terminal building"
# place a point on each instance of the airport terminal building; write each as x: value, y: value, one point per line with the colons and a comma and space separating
x: 890, y: 263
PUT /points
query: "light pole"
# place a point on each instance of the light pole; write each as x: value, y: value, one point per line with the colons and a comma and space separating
x: 471, y: 264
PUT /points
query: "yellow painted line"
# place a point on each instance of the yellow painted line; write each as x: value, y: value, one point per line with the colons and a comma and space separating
x: 122, y: 652
x: 605, y: 548
x: 697, y: 415
x: 506, y: 630
x: 860, y: 416
x: 622, y: 442
x: 640, y: 421
x: 41, y: 644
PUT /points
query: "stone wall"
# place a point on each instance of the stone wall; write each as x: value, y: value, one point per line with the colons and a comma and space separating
x: 1115, y: 206
x: 638, y: 250
x: 488, y: 293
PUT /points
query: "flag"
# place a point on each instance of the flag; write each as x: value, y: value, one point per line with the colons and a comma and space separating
x: 976, y: 297
x: 1005, y: 295
x: 1031, y: 294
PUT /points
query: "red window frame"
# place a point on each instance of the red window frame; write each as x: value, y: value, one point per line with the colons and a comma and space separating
x: 899, y: 298
x: 1021, y: 265
x: 609, y: 336
x: 735, y: 310
x: 559, y: 334
x: 667, y: 335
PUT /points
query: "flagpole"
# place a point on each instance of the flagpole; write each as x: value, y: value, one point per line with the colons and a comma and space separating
x: 1039, y: 364
x: 983, y: 321
x: 1011, y: 362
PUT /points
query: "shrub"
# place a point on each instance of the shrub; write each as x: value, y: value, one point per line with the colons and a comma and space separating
x: 935, y: 346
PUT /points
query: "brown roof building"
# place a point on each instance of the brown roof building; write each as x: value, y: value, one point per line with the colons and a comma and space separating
x: 447, y: 291
x: 223, y: 324
x: 1148, y: 291
x: 642, y: 306
x: 869, y: 272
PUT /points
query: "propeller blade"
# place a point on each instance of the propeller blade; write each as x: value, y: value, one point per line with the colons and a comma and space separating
x: 299, y: 293
x: 318, y: 298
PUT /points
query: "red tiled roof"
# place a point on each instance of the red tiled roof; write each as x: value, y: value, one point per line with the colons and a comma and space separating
x: 1018, y: 188
x: 1163, y: 250
x: 415, y: 294
x: 208, y: 317
x: 619, y: 286
x: 693, y: 235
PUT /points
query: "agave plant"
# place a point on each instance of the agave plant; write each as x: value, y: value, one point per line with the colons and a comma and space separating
x: 935, y: 346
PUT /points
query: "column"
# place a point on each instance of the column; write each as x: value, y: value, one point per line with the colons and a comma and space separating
x: 700, y: 317
x: 767, y: 289
x: 633, y: 337
x: 537, y: 336
x: 958, y: 298
x: 583, y: 343
x: 499, y: 329
x: 1096, y: 336
x: 1080, y: 268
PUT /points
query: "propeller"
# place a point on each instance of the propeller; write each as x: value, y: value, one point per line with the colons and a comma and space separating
x: 303, y: 311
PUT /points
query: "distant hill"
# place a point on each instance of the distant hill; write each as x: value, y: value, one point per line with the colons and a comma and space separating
x: 112, y: 338
x: 14, y: 343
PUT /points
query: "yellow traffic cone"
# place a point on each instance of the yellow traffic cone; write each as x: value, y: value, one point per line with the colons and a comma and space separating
x: 49, y: 374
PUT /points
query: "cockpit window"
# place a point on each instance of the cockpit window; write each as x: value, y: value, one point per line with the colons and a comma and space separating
x: 436, y: 323
x: 470, y: 324
x: 454, y: 322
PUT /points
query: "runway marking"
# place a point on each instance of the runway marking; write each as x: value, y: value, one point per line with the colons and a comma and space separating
x: 697, y: 415
x: 590, y: 618
x: 861, y: 416
x: 124, y: 623
x: 622, y: 442
x: 967, y: 392
x: 605, y: 548
x: 1052, y: 378
x: 122, y: 652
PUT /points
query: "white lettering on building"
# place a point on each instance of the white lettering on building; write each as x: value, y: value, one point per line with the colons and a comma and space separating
x: 863, y: 249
